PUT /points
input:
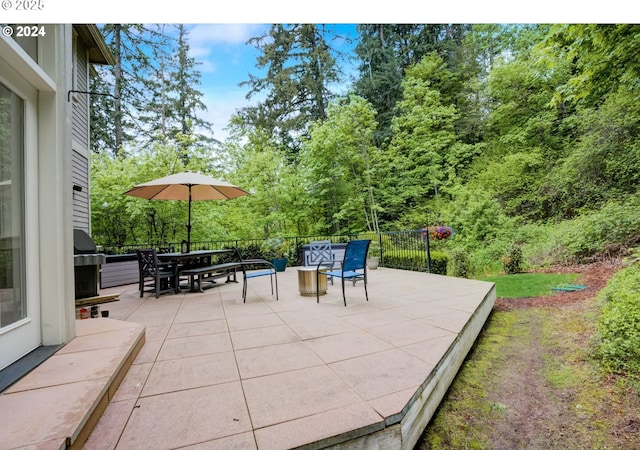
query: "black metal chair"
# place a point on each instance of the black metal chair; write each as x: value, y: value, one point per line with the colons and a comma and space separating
x: 154, y: 276
x: 354, y: 266
x: 251, y: 269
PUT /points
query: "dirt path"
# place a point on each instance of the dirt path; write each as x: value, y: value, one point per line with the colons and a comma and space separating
x: 520, y: 387
x: 537, y: 414
x: 534, y: 388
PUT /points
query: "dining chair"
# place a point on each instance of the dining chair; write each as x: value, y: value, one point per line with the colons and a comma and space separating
x: 155, y: 276
x: 353, y: 266
x: 251, y: 268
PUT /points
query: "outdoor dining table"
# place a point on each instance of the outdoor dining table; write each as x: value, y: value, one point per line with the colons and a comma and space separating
x: 194, y: 259
x: 196, y: 256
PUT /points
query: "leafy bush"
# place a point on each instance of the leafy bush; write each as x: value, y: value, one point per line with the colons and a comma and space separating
x: 486, y: 261
x: 618, y: 328
x: 376, y: 240
x: 416, y: 260
x: 459, y: 263
x: 512, y: 260
x: 439, y: 263
x: 603, y: 233
x: 252, y: 251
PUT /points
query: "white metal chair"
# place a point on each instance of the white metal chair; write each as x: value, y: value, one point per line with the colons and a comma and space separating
x: 320, y: 252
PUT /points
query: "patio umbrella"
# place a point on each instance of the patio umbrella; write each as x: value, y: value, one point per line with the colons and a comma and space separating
x: 189, y: 186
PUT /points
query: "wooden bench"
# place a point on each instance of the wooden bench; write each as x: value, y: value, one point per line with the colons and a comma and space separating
x: 210, y: 273
x: 97, y: 300
x: 91, y: 304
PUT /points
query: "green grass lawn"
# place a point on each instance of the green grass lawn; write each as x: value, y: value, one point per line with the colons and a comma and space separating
x: 529, y: 284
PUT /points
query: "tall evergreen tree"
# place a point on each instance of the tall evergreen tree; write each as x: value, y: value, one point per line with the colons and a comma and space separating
x: 102, y: 123
x: 131, y: 46
x: 155, y: 86
x: 180, y: 102
x: 300, y: 67
x: 385, y: 51
x: 423, y: 137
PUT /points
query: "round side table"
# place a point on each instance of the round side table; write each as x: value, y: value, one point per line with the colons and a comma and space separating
x: 307, y: 281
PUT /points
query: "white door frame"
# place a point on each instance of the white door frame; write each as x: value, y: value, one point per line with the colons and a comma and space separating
x: 21, y: 337
x: 48, y: 194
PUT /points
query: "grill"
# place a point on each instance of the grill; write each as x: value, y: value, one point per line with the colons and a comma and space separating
x: 86, y: 263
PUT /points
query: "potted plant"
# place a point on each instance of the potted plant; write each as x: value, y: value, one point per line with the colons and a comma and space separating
x: 278, y: 252
x: 373, y: 255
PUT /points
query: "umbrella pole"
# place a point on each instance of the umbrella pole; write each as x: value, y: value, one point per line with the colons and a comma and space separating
x: 189, y: 223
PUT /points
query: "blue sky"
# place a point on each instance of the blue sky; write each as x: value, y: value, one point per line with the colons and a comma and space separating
x: 225, y: 61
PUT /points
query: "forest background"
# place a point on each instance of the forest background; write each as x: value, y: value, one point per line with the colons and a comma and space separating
x: 515, y: 136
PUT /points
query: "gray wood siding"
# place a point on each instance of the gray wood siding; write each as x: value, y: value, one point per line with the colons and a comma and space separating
x: 80, y: 177
x: 80, y: 115
x: 80, y: 140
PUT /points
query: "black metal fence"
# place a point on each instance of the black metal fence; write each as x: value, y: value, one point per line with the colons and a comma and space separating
x: 408, y: 250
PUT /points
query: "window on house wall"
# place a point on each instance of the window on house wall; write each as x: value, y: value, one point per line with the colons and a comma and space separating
x: 25, y: 36
x: 12, y: 292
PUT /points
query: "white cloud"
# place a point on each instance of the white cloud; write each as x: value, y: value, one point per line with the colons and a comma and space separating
x: 204, y: 38
x: 207, y: 66
x: 224, y: 33
x: 224, y: 60
x: 221, y: 106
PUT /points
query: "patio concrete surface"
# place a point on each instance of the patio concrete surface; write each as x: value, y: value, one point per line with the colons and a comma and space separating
x: 208, y: 371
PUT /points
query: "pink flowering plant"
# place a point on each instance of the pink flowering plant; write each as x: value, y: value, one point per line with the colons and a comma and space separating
x: 438, y: 232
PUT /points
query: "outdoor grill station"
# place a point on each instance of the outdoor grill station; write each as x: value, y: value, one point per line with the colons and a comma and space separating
x: 87, y: 262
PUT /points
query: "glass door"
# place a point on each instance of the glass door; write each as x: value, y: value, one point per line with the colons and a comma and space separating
x: 19, y: 316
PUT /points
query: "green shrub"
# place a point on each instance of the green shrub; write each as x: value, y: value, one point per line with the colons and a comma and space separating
x: 618, y: 328
x: 459, y: 263
x: 416, y: 260
x: 512, y: 260
x: 439, y: 263
x: 606, y: 232
x: 376, y: 240
x: 486, y: 261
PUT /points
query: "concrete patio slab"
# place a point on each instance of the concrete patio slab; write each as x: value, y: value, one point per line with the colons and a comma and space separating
x: 215, y: 372
x: 60, y: 401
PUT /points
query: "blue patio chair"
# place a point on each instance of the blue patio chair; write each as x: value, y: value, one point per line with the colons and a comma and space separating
x: 354, y: 266
x: 251, y: 269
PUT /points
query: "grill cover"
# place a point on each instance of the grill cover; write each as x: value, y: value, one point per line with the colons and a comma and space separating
x: 82, y: 243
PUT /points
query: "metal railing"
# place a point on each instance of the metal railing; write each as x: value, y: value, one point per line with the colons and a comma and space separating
x: 408, y: 249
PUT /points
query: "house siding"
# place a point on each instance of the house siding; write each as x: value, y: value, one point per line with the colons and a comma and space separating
x: 80, y: 114
x: 80, y: 140
x: 80, y: 178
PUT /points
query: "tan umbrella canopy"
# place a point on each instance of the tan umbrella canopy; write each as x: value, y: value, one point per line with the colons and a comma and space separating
x: 189, y: 186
